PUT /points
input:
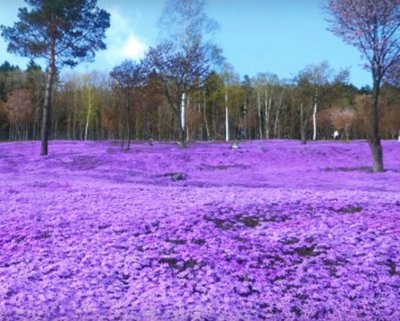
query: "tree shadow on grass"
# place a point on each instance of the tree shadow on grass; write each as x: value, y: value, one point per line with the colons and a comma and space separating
x: 362, y: 169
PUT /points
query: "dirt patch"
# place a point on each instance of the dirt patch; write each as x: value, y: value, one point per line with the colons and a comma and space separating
x: 84, y: 163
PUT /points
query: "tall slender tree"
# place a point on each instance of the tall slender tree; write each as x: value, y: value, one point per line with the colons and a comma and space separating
x: 373, y: 27
x: 227, y: 76
x: 182, y: 60
x: 63, y: 32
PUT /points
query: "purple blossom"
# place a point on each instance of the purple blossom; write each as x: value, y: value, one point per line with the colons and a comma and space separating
x: 271, y: 231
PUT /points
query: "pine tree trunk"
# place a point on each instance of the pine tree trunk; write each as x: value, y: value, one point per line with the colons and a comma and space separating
x: 46, y: 117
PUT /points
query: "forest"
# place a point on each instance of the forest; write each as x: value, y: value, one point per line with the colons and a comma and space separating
x: 99, y: 106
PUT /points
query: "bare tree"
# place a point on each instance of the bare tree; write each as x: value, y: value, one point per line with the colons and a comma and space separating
x: 20, y: 112
x: 128, y: 78
x: 373, y: 27
x: 180, y: 72
x: 182, y: 60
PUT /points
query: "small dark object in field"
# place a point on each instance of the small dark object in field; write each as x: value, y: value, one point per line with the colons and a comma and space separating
x: 250, y: 221
x: 103, y: 226
x: 351, y: 209
x: 199, y: 241
x: 219, y: 223
x: 306, y: 251
x: 177, y: 176
x: 290, y: 240
x: 189, y: 264
x: 296, y: 310
x: 42, y: 235
x: 392, y: 267
x: 171, y: 261
x: 177, y: 241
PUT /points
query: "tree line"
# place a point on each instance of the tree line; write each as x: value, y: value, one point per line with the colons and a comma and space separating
x: 129, y: 104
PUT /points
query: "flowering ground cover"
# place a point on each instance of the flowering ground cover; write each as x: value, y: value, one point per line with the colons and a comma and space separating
x: 272, y: 231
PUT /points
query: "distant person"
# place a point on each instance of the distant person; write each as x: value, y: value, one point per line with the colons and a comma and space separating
x: 336, y: 135
x: 240, y: 134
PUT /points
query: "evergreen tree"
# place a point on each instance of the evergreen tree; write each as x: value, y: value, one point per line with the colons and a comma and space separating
x: 63, y: 32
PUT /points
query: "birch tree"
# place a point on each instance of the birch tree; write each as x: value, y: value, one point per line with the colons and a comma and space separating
x: 229, y: 77
x: 183, y: 59
x: 312, y: 83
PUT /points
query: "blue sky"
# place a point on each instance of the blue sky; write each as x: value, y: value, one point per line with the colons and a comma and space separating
x: 276, y: 36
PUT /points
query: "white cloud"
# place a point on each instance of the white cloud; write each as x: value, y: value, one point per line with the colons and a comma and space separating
x: 122, y: 41
x: 134, y: 48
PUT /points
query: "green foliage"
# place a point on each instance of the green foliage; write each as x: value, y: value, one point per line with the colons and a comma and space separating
x: 11, y: 77
x: 63, y: 32
x: 72, y: 30
x: 7, y: 67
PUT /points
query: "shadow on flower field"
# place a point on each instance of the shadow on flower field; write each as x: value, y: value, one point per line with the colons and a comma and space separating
x: 274, y: 230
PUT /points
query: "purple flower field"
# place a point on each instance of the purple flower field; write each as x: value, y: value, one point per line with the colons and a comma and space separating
x: 272, y: 231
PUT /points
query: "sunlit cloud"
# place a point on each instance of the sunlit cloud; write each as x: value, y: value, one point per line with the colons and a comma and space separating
x: 122, y: 41
x: 134, y: 48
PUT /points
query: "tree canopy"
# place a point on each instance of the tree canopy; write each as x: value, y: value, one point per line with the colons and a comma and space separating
x: 72, y: 30
x: 63, y: 32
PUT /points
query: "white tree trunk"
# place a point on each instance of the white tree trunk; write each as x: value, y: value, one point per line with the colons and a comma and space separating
x: 183, y: 116
x: 88, y: 113
x: 226, y: 118
x: 315, y: 122
x: 187, y: 119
